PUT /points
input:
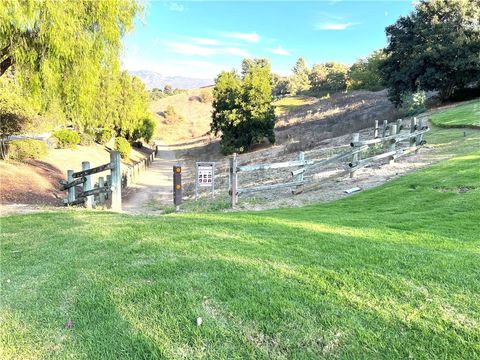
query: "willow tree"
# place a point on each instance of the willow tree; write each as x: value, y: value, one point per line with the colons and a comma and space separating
x: 58, y: 49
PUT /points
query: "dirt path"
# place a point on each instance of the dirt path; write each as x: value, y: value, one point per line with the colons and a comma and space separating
x: 153, y: 188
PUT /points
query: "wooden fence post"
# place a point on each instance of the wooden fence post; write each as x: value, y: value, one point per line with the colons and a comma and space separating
x: 399, y: 125
x: 87, y: 185
x: 355, y: 156
x: 413, y: 126
x: 233, y: 174
x: 301, y: 157
x: 393, y: 144
x: 385, y: 127
x: 421, y: 126
x: 101, y: 185
x: 375, y: 130
x: 116, y: 174
x: 71, y: 190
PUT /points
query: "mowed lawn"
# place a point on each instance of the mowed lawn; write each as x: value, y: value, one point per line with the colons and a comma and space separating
x: 459, y: 116
x: 393, y: 273
x: 289, y: 103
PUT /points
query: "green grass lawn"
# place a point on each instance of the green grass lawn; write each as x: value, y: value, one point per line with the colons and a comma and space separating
x: 459, y: 116
x: 393, y: 272
x: 289, y: 103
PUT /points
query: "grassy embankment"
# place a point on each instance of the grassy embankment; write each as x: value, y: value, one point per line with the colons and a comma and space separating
x: 466, y: 115
x: 391, y: 272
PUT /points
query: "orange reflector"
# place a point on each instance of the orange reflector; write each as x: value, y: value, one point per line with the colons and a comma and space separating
x: 178, y: 186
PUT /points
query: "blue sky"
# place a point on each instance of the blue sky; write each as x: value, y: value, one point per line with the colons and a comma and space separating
x: 200, y: 38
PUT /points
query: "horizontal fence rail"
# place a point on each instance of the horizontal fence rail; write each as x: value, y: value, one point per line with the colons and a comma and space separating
x: 392, y: 134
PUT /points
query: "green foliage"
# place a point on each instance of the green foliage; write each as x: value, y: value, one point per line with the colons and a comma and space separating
x: 104, y: 136
x: 299, y: 82
x: 280, y: 85
x: 168, y: 90
x: 391, y: 270
x: 87, y: 139
x: 436, y: 47
x: 63, y: 57
x: 21, y: 150
x: 366, y: 74
x: 66, y: 138
x: 328, y: 77
x: 123, y: 147
x: 413, y: 103
x: 242, y: 108
x: 148, y: 129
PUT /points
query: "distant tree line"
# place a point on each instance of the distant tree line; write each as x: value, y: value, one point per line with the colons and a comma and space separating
x: 168, y: 90
x: 59, y: 65
x: 435, y: 48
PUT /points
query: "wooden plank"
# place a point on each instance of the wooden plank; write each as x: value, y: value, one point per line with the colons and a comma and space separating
x: 364, y: 162
x: 92, y: 170
x: 279, y: 165
x: 413, y: 128
x: 87, y: 185
x: 394, y: 138
x: 375, y: 130
x: 95, y: 191
x: 269, y: 187
x: 73, y: 182
x: 355, y: 139
x: 393, y: 132
x: 233, y: 171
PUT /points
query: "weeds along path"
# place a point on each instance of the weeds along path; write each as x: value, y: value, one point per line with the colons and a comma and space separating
x: 153, y: 188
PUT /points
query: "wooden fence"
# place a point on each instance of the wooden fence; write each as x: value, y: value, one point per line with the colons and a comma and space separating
x: 391, y: 138
x: 109, y: 187
x: 106, y: 188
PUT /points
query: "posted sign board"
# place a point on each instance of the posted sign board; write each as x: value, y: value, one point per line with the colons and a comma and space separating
x: 204, y: 176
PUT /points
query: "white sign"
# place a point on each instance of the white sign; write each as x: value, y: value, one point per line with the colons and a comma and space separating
x: 205, y: 175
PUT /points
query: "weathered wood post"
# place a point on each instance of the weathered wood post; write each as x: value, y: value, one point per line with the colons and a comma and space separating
x: 101, y: 195
x: 355, y: 156
x: 399, y: 125
x: 385, y: 127
x: 233, y: 179
x: 301, y: 157
x: 87, y: 185
x: 71, y: 190
x: 393, y: 142
x: 421, y: 126
x: 109, y: 186
x: 375, y: 130
x: 413, y: 128
x: 116, y: 178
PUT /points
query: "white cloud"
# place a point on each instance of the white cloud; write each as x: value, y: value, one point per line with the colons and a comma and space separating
x: 279, y: 50
x: 200, y: 41
x: 333, y: 26
x: 190, y: 49
x: 252, y: 37
x: 176, y: 7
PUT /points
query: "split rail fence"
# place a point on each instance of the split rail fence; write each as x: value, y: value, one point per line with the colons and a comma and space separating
x: 391, y: 137
x: 106, y: 188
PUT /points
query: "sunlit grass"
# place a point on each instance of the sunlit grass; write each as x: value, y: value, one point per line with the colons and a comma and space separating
x: 459, y: 116
x: 289, y: 103
x: 388, y: 273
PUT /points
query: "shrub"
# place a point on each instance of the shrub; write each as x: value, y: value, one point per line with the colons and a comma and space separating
x: 104, y: 136
x: 27, y: 149
x: 123, y: 147
x: 206, y: 96
x: 413, y: 103
x: 148, y: 129
x: 86, y: 139
x: 66, y: 138
x: 171, y: 116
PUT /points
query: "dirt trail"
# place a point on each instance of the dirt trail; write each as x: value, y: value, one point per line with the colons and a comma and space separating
x: 154, y: 186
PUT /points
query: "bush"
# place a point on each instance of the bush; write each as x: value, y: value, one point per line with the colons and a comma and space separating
x: 86, y: 139
x: 27, y: 149
x: 66, y: 138
x: 123, y: 147
x: 172, y: 117
x: 104, y: 136
x: 148, y: 129
x: 413, y: 103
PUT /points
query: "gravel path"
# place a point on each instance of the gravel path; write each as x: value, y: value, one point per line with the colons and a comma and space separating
x: 153, y: 188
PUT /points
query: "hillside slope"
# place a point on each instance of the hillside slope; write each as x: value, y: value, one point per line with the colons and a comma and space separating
x: 391, y: 271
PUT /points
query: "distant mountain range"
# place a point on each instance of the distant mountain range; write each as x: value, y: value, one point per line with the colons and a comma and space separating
x: 153, y: 79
